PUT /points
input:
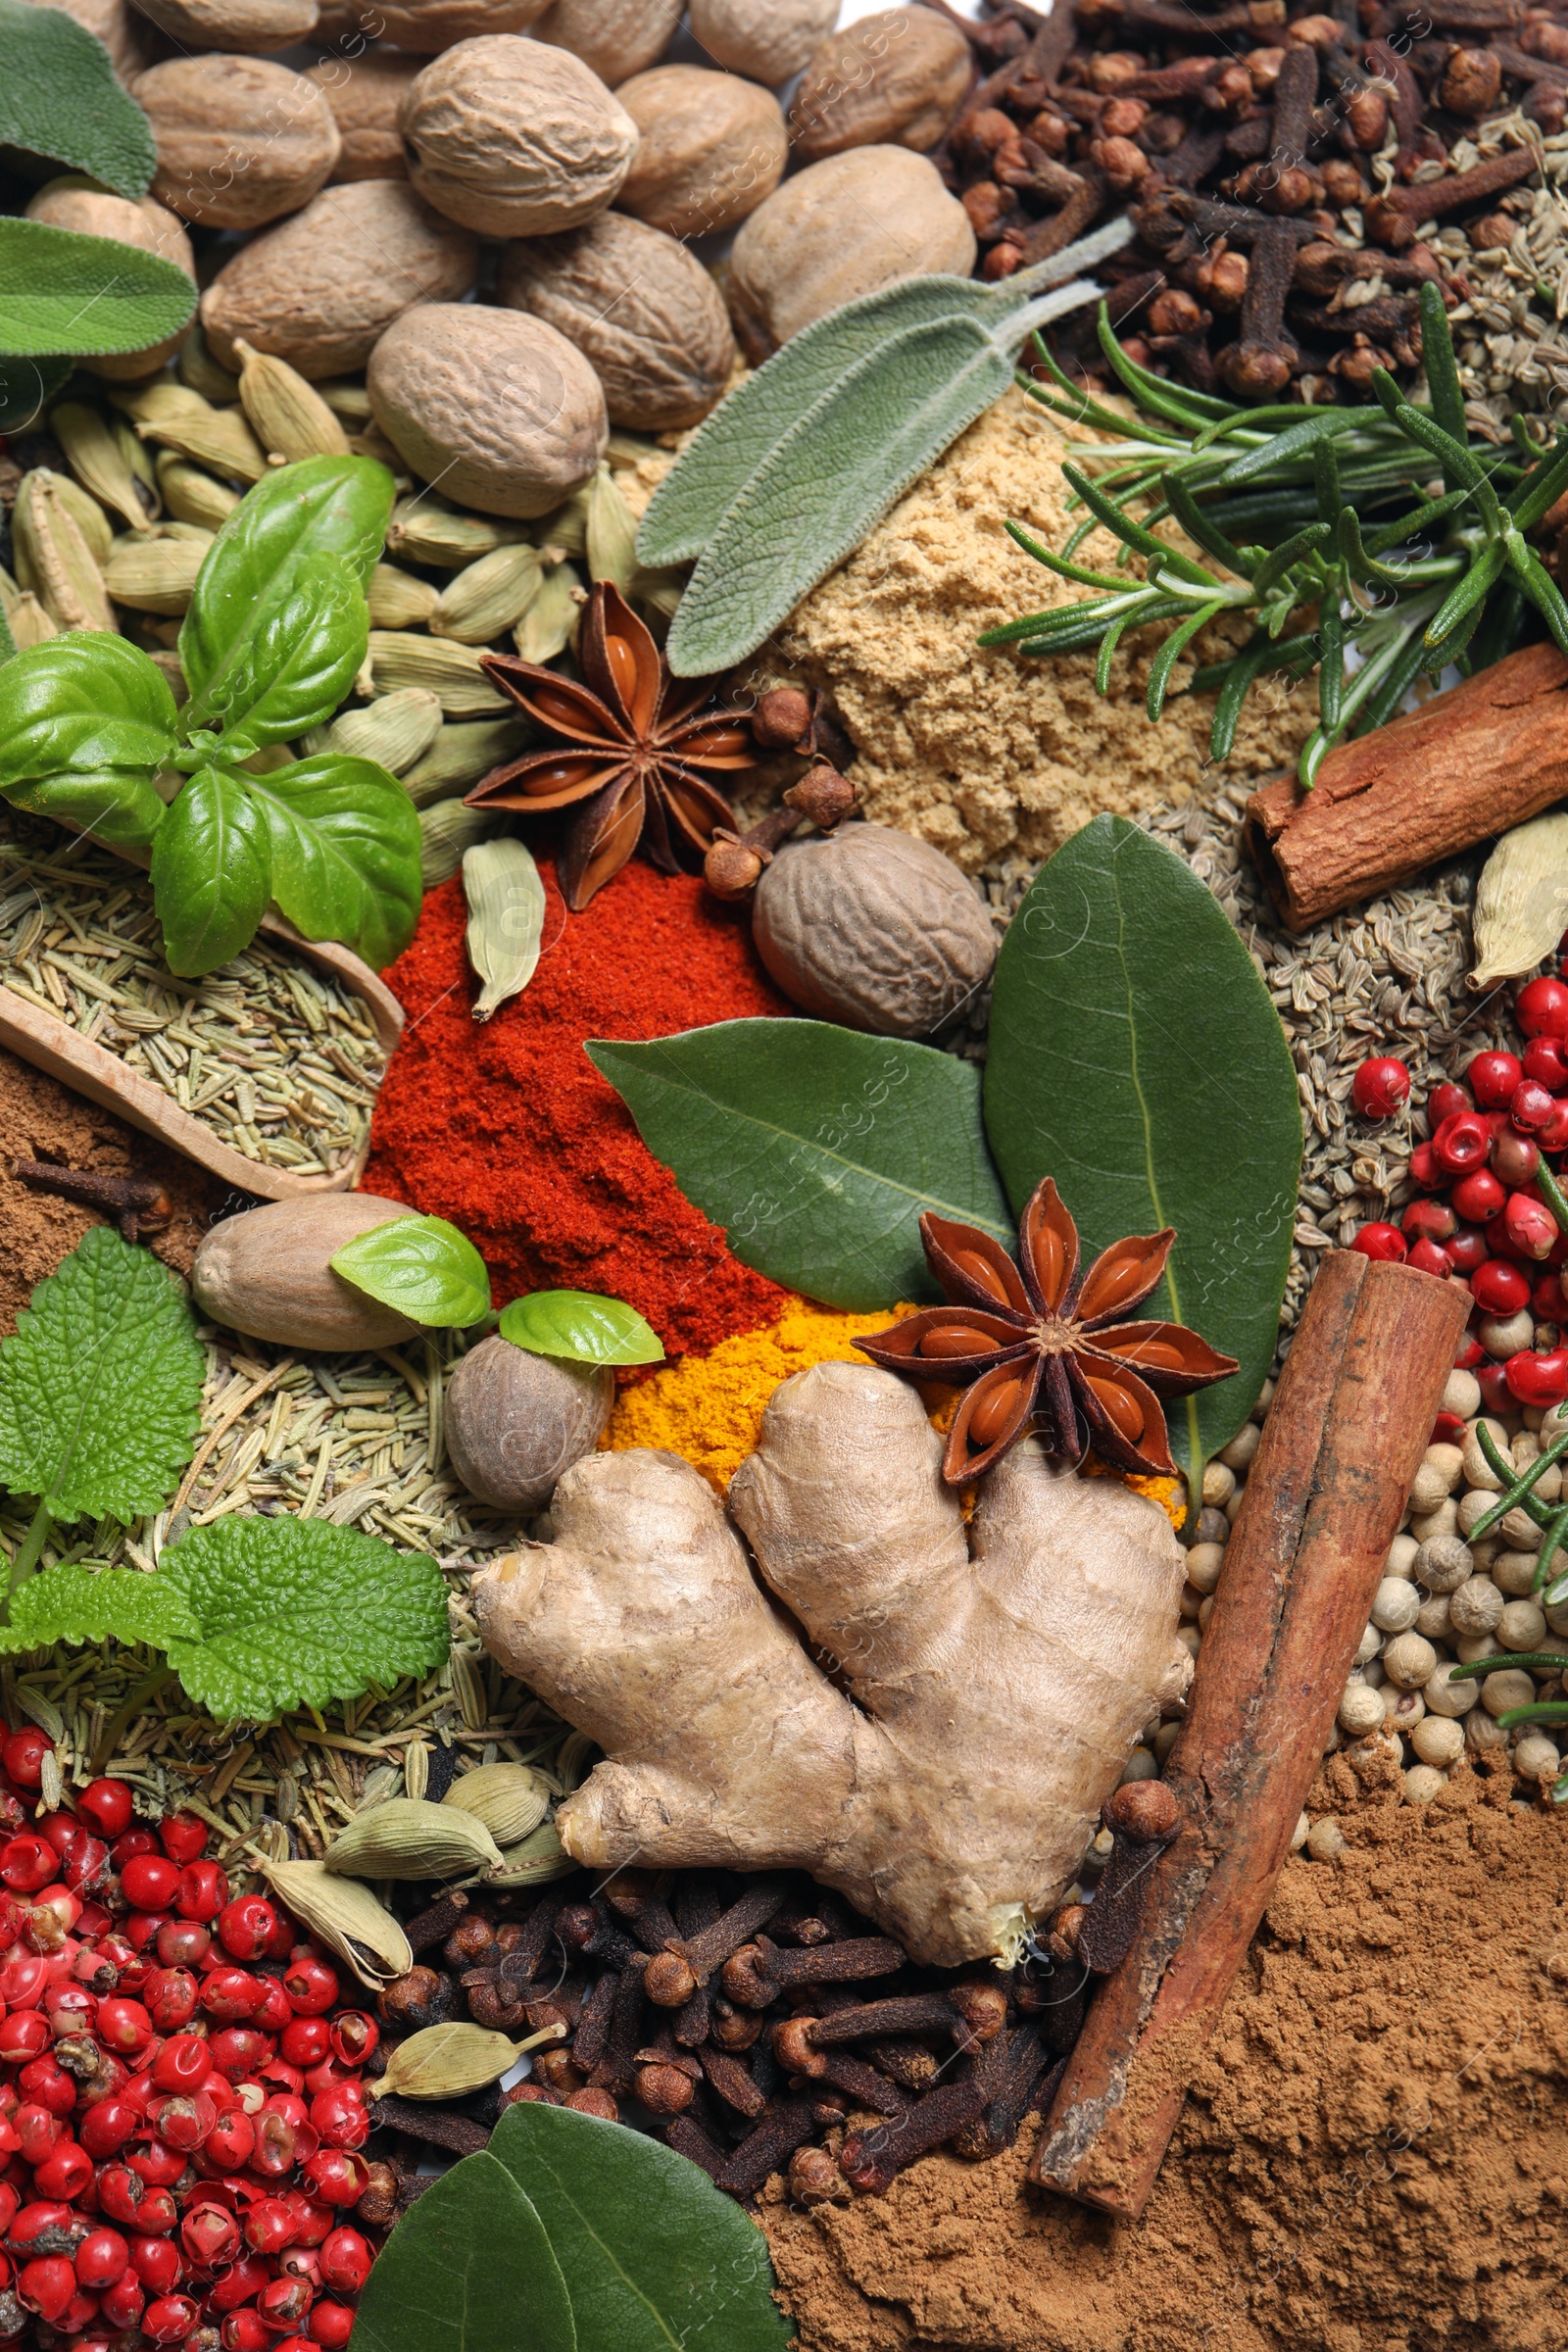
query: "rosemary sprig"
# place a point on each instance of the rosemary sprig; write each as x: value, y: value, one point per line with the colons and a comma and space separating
x: 1369, y: 544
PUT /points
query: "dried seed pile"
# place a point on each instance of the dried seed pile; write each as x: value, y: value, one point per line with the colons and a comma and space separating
x: 1508, y: 334
x: 269, y: 1053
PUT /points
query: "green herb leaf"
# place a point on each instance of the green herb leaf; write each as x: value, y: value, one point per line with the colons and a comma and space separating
x: 61, y: 291
x: 816, y: 1148
x: 653, y: 2255
x: 322, y: 506
x: 1136, y: 1056
x: 422, y: 1267
x: 345, y: 851
x: 27, y: 387
x: 74, y: 1603
x: 295, y: 1613
x: 301, y: 658
x: 212, y: 872
x: 85, y: 724
x: 101, y: 1385
x: 469, y: 2269
x: 581, y: 1325
x: 59, y: 98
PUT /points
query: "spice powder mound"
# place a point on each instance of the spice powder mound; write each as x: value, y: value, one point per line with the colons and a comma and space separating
x: 507, y: 1129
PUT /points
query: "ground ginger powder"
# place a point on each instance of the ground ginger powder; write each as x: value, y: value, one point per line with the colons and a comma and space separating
x: 995, y: 756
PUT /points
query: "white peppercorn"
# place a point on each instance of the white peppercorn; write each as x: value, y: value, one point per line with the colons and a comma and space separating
x: 1519, y: 1528
x: 1234, y: 1507
x: 1481, y: 1735
x: 1140, y: 1766
x: 1300, y: 1833
x: 1266, y: 1397
x: 1191, y: 1601
x: 1437, y: 1741
x: 1548, y: 1486
x: 1394, y: 1605
x: 1204, y: 1564
x: 1473, y: 1649
x: 1478, y: 1471
x: 1502, y: 1336
x: 1401, y: 1556
x: 1428, y: 1526
x: 1404, y: 1710
x: 1190, y: 1638
x: 1462, y: 1395
x: 1536, y: 1757
x: 1442, y: 1563
x: 1361, y: 1710
x: 1509, y: 1687
x: 1408, y: 1660
x: 1219, y: 1485
x: 1165, y: 1739
x: 1422, y: 1782
x: 1522, y: 1625
x: 1206, y: 1610
x: 1553, y: 1425
x: 1372, y: 1673
x: 1476, y: 1607
x: 1441, y: 1470
x: 1557, y: 1615
x: 1514, y: 1572
x: 1325, y: 1840
x: 1238, y: 1454
x: 1474, y: 1504
x: 1368, y: 1648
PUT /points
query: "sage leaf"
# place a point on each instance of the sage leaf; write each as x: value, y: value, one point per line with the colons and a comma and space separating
x: 422, y: 1267
x: 506, y: 919
x: 85, y: 724
x: 344, y: 844
x: 59, y: 98
x: 1136, y: 1056
x: 580, y: 1326
x: 62, y: 291
x: 818, y: 1148
x: 652, y: 2254
x: 212, y: 872
x: 469, y: 2269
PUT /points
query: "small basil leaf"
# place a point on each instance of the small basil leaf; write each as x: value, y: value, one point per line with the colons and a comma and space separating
x: 422, y: 1267
x: 8, y: 644
x: 299, y: 659
x: 212, y: 874
x: 345, y: 851
x: 580, y: 1326
x: 62, y: 290
x: 469, y: 2269
x: 59, y: 98
x: 322, y: 506
x: 85, y: 724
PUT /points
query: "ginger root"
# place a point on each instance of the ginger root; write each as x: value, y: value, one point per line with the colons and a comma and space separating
x: 1000, y: 1674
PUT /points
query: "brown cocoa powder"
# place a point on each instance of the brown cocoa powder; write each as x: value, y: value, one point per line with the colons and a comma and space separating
x: 1375, y: 2157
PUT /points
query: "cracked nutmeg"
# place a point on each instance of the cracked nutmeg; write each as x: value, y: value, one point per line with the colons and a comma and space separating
x: 1038, y: 1345
x: 633, y: 745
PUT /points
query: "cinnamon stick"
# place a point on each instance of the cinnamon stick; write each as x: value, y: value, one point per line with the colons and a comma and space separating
x: 1348, y: 1427
x: 1484, y: 756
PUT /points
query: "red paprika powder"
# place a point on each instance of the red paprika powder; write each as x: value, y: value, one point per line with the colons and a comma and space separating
x: 507, y: 1129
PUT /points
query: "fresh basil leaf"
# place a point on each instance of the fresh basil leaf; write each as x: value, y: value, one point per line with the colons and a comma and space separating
x: 27, y: 387
x: 422, y: 1267
x: 653, y: 2255
x: 85, y: 724
x: 62, y: 291
x: 301, y: 658
x: 74, y: 1603
x: 59, y: 98
x: 321, y: 506
x: 580, y: 1326
x: 296, y: 1612
x: 345, y: 851
x: 8, y: 644
x: 101, y: 1385
x: 469, y: 2269
x: 816, y: 1148
x: 1136, y: 1056
x: 212, y: 872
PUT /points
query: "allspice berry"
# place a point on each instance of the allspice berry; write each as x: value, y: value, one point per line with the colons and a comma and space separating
x: 769, y: 40
x: 874, y: 929
x: 72, y: 201
x: 240, y: 142
x: 268, y: 1272
x: 792, y: 260
x: 497, y: 407
x: 614, y: 38
x: 515, y: 1422
x: 893, y: 80
x: 640, y: 308
x: 710, y: 148
x: 514, y: 138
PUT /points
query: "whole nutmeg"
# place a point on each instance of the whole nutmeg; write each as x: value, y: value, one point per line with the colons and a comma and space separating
x: 766, y: 39
x: 894, y: 79
x: 710, y: 148
x: 366, y: 95
x: 874, y: 929
x: 614, y: 38
x: 798, y: 257
x: 268, y: 1272
x: 251, y: 27
x: 640, y: 308
x: 123, y: 31
x: 240, y: 142
x: 322, y: 287
x: 515, y: 140
x: 432, y: 25
x: 497, y: 407
x: 514, y: 1421
x: 75, y: 202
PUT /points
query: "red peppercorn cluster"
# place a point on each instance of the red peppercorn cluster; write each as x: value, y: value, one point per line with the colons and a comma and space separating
x: 1484, y: 1220
x: 180, y: 2096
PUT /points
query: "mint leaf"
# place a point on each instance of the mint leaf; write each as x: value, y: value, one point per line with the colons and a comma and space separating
x: 422, y: 1267
x: 74, y: 1603
x: 212, y: 872
x: 582, y: 1327
x: 62, y: 290
x: 59, y: 98
x: 294, y: 1612
x: 101, y: 1387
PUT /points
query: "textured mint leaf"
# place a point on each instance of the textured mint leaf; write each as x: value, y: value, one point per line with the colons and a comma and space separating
x: 422, y: 1267
x: 295, y: 1613
x: 59, y: 98
x: 62, y: 291
x: 74, y: 1603
x: 101, y: 1386
x: 469, y: 2269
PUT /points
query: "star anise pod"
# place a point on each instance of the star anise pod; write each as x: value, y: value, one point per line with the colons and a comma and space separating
x: 635, y: 740
x: 1039, y: 1344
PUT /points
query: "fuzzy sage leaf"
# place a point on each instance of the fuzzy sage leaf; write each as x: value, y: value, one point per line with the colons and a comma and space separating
x: 62, y: 291
x: 59, y: 98
x: 422, y: 1267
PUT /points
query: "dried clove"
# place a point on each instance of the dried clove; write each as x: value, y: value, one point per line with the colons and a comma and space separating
x: 759, y: 1972
x: 137, y: 1203
x: 870, y: 2161
x: 424, y: 2120
x: 784, y: 2129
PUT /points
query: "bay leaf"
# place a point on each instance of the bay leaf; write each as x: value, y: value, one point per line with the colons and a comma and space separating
x: 59, y: 98
x: 1136, y: 1058
x: 62, y: 291
x: 818, y: 1148
x: 469, y: 2269
x: 652, y: 2254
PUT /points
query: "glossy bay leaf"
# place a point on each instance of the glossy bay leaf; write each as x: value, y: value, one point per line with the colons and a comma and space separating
x: 654, y: 2256
x: 1136, y: 1056
x: 817, y: 1148
x: 63, y: 291
x: 59, y: 98
x: 580, y: 1326
x: 469, y: 2269
x: 423, y: 1267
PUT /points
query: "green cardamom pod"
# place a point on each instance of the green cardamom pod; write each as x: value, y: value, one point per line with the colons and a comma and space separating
x: 446, y: 831
x: 192, y: 495
x: 508, y: 1799
x: 347, y: 1918
x: 568, y: 526
x: 347, y: 397
x: 612, y: 532
x: 399, y: 658
x: 489, y: 596
x: 397, y: 599
x: 425, y: 530
x: 29, y: 622
x: 539, y: 1857
x: 200, y: 372
x: 463, y: 753
x: 289, y: 417
x: 408, y: 1837
x: 52, y: 555
x: 505, y: 924
x: 180, y: 418
x: 157, y: 576
x: 395, y: 732
x: 96, y: 460
x: 447, y: 2062
x: 550, y: 623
